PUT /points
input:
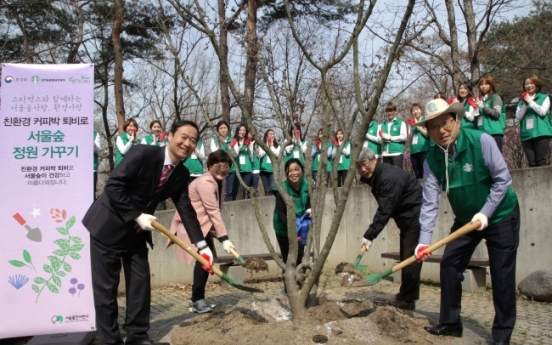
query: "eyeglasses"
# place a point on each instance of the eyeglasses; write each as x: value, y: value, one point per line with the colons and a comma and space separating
x: 221, y: 166
x: 447, y: 125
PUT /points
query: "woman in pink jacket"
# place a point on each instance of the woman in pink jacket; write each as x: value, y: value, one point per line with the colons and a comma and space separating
x: 205, y: 195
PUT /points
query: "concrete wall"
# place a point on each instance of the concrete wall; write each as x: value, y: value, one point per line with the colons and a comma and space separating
x: 533, y: 187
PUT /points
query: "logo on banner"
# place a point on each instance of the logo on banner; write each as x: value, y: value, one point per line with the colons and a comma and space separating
x: 56, y: 319
x: 35, y: 79
x: 76, y: 318
x: 84, y: 79
x: 8, y: 79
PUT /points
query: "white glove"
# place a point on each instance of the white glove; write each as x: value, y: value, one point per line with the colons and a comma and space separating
x: 366, y: 243
x: 482, y: 218
x: 131, y: 137
x: 528, y: 98
x: 309, y: 211
x: 155, y: 138
x: 419, y: 252
x: 385, y: 137
x: 144, y: 221
x: 227, y: 245
x: 207, y: 254
x: 480, y: 104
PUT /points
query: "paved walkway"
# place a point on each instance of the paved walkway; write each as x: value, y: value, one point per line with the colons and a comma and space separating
x: 170, y: 307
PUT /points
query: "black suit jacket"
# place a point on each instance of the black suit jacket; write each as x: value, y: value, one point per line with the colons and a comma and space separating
x: 131, y: 191
x: 399, y: 195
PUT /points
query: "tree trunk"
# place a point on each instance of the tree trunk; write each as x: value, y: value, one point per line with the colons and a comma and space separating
x: 118, y: 59
x: 223, y: 43
x: 252, y: 58
x: 105, y: 119
x: 471, y: 32
x: 454, y: 54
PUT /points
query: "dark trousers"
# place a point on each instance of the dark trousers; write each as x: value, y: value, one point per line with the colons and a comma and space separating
x: 247, y: 178
x: 410, y: 275
x: 499, y: 139
x: 341, y: 176
x: 536, y: 151
x: 201, y: 276
x: 502, y: 241
x: 417, y: 160
x: 267, y: 178
x: 315, y: 176
x: 230, y: 187
x: 106, y: 268
x: 394, y: 160
x: 283, y: 242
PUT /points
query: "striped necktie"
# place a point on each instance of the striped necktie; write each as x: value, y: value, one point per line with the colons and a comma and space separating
x: 166, y: 171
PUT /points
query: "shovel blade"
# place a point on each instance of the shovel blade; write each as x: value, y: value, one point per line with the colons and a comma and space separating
x: 34, y: 234
x: 373, y: 279
x: 239, y: 286
x: 361, y: 267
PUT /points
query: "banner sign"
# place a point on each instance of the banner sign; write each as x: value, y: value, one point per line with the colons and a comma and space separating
x: 46, y: 150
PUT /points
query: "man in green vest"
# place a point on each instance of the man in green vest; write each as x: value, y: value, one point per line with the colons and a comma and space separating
x: 393, y: 133
x: 468, y: 166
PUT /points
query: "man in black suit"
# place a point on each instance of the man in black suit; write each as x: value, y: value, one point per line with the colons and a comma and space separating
x: 119, y: 222
x: 399, y: 196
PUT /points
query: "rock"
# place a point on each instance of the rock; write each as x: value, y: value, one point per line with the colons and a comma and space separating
x: 538, y: 285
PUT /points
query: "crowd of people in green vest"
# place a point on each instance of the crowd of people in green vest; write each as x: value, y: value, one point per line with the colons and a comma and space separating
x: 388, y: 139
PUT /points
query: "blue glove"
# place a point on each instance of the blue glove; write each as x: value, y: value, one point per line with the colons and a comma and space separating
x: 303, y: 223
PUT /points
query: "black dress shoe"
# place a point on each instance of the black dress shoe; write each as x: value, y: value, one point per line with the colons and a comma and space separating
x: 144, y: 342
x: 451, y: 329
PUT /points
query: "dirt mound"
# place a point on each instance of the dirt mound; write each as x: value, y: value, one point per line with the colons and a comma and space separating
x: 331, y: 322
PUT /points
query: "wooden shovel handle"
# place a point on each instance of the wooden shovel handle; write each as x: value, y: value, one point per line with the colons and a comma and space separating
x: 457, y: 234
x: 165, y: 232
x: 235, y: 253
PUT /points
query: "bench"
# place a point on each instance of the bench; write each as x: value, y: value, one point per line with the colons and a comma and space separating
x: 475, y: 276
x: 229, y: 265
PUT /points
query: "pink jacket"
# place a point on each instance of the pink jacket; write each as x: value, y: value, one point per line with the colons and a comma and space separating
x: 204, y: 195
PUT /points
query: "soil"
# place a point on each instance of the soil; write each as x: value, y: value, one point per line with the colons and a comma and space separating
x: 269, y: 322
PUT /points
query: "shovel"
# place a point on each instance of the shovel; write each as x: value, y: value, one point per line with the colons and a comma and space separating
x: 199, y: 258
x: 33, y: 234
x: 237, y: 256
x: 358, y: 258
x: 373, y: 279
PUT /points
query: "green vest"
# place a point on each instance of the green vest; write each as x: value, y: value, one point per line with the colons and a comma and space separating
x: 301, y: 199
x: 465, y: 123
x: 538, y: 126
x: 243, y: 160
x: 488, y: 124
x: 96, y: 158
x: 344, y: 161
x: 149, y: 140
x: 296, y: 153
x: 373, y: 130
x: 193, y: 163
x: 256, y: 162
x: 266, y: 164
x: 469, y: 179
x: 224, y: 146
x: 419, y: 143
x: 118, y: 155
x: 391, y: 146
x: 316, y: 159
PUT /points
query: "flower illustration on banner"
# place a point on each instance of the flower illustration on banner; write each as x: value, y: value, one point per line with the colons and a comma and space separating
x: 73, y: 290
x: 18, y: 281
x: 69, y: 248
x: 58, y: 215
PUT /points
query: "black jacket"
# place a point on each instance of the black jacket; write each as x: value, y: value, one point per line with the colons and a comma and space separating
x: 399, y: 196
x: 131, y: 191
